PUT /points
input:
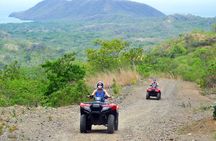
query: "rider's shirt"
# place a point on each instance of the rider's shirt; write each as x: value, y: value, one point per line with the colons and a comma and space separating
x: 100, y: 93
x: 154, y: 84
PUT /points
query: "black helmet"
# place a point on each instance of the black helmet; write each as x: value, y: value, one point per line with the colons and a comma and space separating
x: 100, y: 83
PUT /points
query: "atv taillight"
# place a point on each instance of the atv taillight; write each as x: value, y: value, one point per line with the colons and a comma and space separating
x: 115, y: 107
x: 112, y: 106
x: 84, y: 105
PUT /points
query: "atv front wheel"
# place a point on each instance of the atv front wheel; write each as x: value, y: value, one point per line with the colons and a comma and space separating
x: 111, y: 124
x: 158, y: 96
x: 83, y: 124
x: 147, y: 95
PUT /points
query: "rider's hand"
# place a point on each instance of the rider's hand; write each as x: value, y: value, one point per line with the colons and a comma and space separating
x: 90, y: 96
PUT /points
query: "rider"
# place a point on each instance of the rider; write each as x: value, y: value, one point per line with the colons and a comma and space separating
x: 100, y: 91
x: 154, y: 83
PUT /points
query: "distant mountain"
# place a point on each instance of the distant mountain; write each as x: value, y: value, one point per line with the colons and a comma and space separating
x: 86, y: 9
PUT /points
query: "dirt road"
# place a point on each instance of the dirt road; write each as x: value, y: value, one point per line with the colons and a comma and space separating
x: 140, y: 119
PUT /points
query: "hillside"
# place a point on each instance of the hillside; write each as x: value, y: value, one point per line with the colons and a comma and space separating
x: 191, y: 57
x: 33, y: 43
x: 59, y: 82
x: 86, y: 9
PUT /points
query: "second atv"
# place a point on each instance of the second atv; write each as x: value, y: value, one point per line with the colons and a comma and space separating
x: 154, y: 92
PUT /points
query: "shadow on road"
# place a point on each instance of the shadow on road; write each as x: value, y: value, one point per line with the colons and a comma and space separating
x: 96, y: 131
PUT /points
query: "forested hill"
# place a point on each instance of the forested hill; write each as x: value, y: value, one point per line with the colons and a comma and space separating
x: 35, y: 42
x: 86, y: 9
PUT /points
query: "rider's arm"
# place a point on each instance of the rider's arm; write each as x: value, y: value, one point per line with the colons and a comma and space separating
x: 106, y: 93
x: 93, y: 93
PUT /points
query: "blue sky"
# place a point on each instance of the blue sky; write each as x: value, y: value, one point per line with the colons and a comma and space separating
x: 205, y: 8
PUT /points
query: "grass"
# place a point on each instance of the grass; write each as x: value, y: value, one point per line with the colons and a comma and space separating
x: 204, y: 126
x: 1, y: 128
x: 168, y: 75
x: 50, y: 118
x: 209, y: 91
x: 204, y: 107
x: 215, y: 135
x: 12, y: 128
x: 122, y: 78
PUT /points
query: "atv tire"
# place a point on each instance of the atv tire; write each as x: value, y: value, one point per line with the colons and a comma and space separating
x: 88, y: 126
x: 116, y: 123
x: 158, y: 96
x: 147, y: 95
x: 111, y: 124
x: 83, y: 124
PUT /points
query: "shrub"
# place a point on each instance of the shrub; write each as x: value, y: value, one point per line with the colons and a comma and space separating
x: 116, y: 87
x: 214, y: 112
x: 145, y: 69
x: 70, y: 94
x: 62, y: 72
x: 11, y: 71
x: 108, y: 56
x: 66, y: 85
x: 24, y: 91
x: 210, y: 77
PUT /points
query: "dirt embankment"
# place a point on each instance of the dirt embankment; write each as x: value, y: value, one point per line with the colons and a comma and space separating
x: 174, y: 117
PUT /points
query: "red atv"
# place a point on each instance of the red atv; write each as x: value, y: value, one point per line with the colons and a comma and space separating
x: 153, y: 91
x: 98, y: 112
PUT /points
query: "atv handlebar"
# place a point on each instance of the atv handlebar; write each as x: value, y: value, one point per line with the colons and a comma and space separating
x: 106, y: 97
x: 90, y: 96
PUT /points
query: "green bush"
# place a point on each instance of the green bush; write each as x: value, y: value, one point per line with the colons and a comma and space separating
x: 145, y: 69
x: 70, y: 94
x: 190, y: 69
x: 66, y: 85
x: 16, y: 87
x: 25, y: 91
x: 11, y: 71
x: 214, y: 112
x: 116, y: 87
x: 62, y: 72
x: 210, y: 76
x: 107, y: 57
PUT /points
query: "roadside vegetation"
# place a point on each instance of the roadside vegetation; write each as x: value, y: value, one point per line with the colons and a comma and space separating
x: 66, y: 80
x: 190, y: 56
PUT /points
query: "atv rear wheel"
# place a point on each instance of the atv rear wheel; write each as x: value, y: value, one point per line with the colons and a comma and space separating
x: 116, y: 123
x: 158, y: 96
x: 83, y: 124
x: 111, y: 124
x: 147, y: 95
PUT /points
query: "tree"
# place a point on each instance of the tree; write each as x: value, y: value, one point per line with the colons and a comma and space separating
x: 214, y: 28
x: 210, y: 78
x: 134, y: 56
x: 11, y: 71
x: 62, y: 72
x: 107, y: 57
